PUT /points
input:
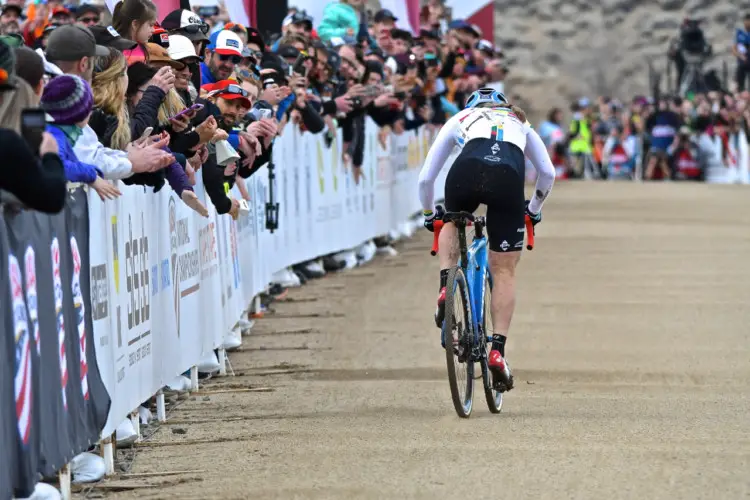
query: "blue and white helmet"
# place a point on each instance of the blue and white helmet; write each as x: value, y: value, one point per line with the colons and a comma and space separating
x: 486, y: 95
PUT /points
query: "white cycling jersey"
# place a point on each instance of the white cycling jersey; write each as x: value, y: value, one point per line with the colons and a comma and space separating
x: 499, y: 124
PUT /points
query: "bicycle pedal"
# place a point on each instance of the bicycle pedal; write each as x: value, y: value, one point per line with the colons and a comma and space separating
x: 501, y: 387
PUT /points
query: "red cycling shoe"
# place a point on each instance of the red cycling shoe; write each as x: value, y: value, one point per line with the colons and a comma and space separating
x: 440, y: 311
x: 502, y: 379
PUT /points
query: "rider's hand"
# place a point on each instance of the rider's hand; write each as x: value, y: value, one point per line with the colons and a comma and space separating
x: 429, y: 220
x: 430, y: 217
x: 535, y: 218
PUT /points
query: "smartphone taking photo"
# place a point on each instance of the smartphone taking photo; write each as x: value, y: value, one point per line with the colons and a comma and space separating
x: 33, y: 123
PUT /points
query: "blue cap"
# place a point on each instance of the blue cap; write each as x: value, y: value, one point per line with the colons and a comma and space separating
x: 460, y: 24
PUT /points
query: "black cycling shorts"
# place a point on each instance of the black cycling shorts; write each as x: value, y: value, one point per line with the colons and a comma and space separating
x: 491, y: 173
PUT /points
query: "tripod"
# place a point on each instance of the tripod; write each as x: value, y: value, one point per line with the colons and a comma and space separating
x: 692, y: 77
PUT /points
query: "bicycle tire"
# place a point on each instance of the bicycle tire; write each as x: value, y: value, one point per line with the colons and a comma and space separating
x: 493, y: 397
x: 457, y: 290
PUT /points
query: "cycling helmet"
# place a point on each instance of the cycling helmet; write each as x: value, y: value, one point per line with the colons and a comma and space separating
x: 485, y: 95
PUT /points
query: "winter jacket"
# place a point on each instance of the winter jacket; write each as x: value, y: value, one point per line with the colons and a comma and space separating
x: 113, y: 163
x: 338, y: 19
x: 75, y: 170
x: 38, y: 184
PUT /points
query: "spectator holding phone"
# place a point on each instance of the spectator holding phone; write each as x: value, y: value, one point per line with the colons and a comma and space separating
x: 146, y: 90
x: 33, y: 174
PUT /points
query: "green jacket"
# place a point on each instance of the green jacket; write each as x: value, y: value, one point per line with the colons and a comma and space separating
x: 580, y: 136
x: 337, y: 19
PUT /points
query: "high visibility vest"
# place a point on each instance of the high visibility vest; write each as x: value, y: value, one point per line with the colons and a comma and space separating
x: 581, y: 143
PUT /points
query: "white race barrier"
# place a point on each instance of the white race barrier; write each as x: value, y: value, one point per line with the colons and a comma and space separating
x: 167, y: 284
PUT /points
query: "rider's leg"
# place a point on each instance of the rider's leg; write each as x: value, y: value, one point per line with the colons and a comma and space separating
x: 448, y: 241
x: 503, y: 270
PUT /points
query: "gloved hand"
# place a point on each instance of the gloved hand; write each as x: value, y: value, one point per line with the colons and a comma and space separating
x: 535, y: 218
x: 429, y: 220
x: 430, y: 217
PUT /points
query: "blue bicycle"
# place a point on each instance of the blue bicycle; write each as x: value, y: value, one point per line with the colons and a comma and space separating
x: 468, y: 316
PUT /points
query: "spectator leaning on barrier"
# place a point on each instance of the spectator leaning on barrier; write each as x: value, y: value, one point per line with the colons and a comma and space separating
x: 72, y: 50
x: 223, y: 53
x: 68, y: 101
x: 31, y: 173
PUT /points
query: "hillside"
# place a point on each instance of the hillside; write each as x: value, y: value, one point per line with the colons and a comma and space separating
x: 563, y: 49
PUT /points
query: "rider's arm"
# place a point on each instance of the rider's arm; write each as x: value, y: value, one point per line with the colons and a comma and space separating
x: 439, y: 152
x: 537, y: 153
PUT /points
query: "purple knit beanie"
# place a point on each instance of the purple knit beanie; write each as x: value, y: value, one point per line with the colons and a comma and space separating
x: 67, y: 99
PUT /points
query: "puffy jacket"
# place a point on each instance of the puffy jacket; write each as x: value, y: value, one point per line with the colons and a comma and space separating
x: 75, y: 170
x: 338, y: 18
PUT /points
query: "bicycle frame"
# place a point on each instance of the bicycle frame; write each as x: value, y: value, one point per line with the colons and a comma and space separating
x: 473, y: 261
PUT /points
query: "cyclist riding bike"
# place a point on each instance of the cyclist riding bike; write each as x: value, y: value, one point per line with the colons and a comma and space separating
x: 494, y: 136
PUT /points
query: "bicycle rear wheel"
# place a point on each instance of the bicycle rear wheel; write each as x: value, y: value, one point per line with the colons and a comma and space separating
x: 493, y: 397
x: 458, y: 340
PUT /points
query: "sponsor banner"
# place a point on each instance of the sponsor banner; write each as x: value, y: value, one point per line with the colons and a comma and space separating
x: 168, y: 284
x: 52, y: 399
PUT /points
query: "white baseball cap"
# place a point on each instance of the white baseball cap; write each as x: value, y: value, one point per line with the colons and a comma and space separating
x: 180, y: 47
x: 226, y: 43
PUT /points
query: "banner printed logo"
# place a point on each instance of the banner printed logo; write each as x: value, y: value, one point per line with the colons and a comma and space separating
x: 31, y: 297
x: 115, y: 254
x: 186, y: 266
x: 137, y: 275
x: 22, y: 380
x: 235, y: 253
x: 80, y: 315
x: 321, y: 170
x: 57, y: 284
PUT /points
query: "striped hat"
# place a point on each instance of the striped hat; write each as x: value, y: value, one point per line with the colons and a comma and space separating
x: 67, y: 99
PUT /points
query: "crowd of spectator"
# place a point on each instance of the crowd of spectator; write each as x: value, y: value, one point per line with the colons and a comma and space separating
x: 698, y: 133
x: 697, y: 138
x: 148, y: 98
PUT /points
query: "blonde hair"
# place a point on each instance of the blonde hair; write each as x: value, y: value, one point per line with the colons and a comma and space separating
x: 521, y: 114
x: 109, y: 94
x: 170, y: 106
x: 14, y: 102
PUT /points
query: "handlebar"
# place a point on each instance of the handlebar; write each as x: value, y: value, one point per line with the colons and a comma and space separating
x: 529, y: 233
x: 438, y: 225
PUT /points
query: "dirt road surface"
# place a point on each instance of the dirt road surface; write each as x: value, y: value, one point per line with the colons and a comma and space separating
x: 630, y: 348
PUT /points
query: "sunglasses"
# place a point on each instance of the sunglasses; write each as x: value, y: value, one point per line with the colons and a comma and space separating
x: 89, y: 20
x: 233, y: 88
x: 233, y: 59
x: 195, y: 28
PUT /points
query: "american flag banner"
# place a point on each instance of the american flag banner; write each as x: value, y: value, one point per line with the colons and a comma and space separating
x: 58, y: 289
x: 31, y: 297
x: 44, y: 289
x: 80, y: 308
x: 22, y: 380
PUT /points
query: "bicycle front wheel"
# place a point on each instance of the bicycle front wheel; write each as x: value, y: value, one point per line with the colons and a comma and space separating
x: 458, y: 340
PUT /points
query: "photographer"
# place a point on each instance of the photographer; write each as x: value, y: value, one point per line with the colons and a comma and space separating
x: 686, y: 161
x: 690, y: 43
x: 31, y: 171
x: 305, y: 107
